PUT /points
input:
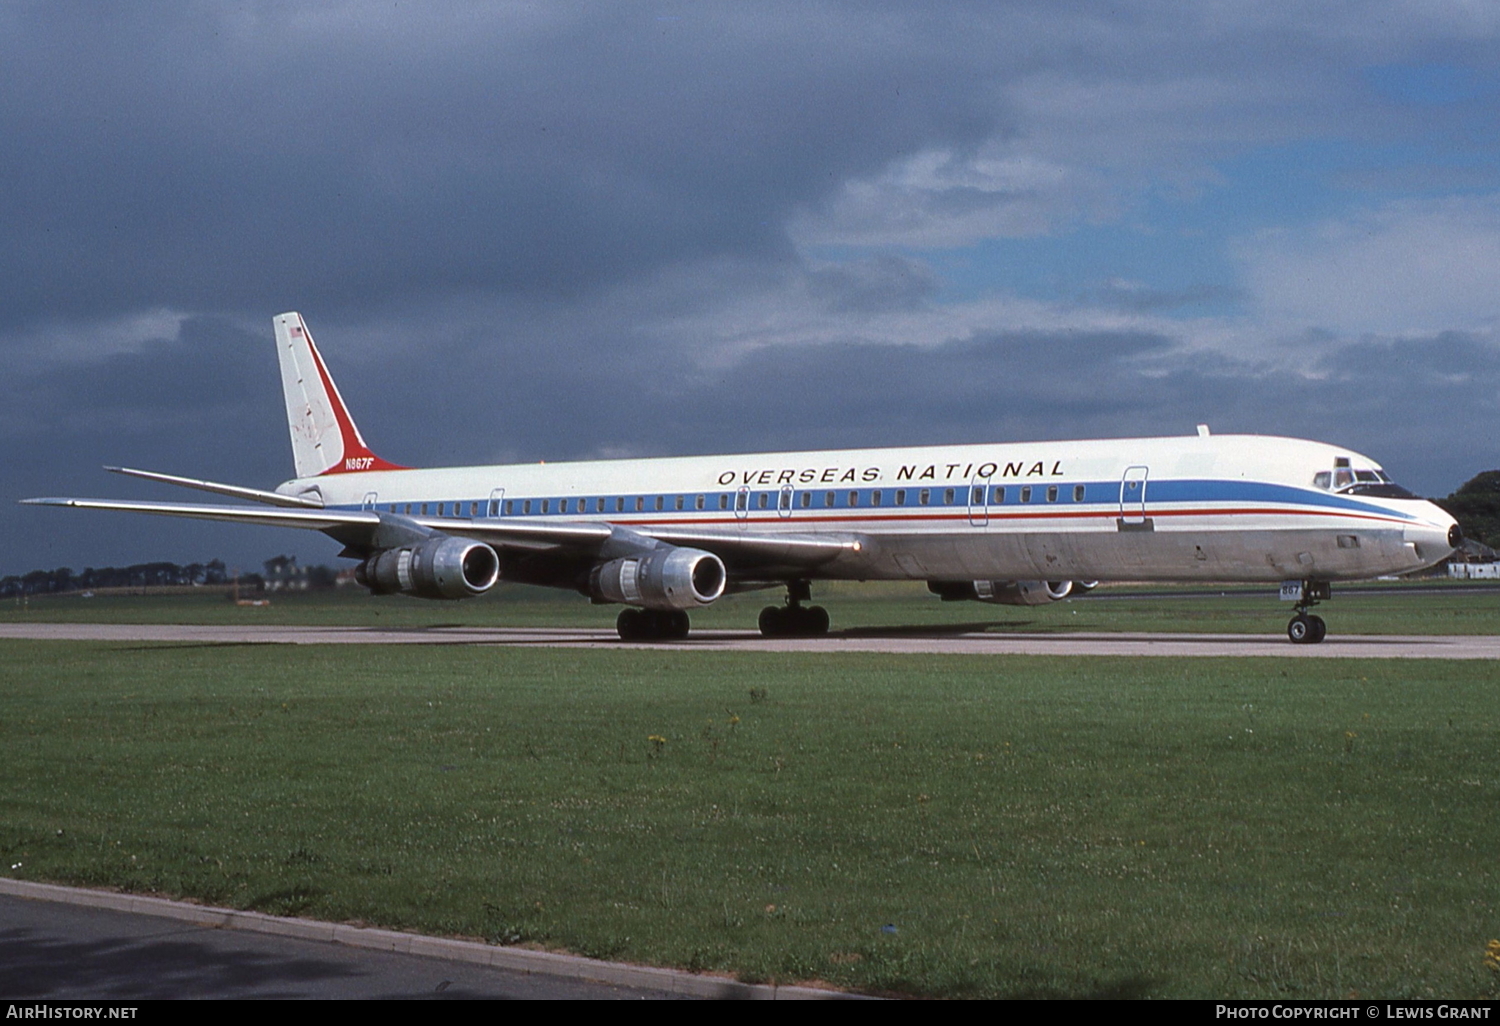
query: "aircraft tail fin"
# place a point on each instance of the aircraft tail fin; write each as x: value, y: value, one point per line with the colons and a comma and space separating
x: 324, y: 438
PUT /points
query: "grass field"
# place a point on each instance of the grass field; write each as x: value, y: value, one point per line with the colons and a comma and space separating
x: 1355, y: 609
x: 952, y: 826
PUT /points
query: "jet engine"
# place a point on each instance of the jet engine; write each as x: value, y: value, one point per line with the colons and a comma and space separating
x: 1002, y: 593
x: 442, y: 567
x: 666, y: 577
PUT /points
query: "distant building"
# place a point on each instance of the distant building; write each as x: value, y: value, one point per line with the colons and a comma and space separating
x: 283, y: 574
x: 1474, y: 571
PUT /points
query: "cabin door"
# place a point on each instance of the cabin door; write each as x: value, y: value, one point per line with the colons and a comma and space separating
x: 979, y: 501
x: 1133, y: 498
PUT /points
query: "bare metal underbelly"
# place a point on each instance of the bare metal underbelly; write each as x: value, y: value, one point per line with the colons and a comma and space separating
x: 1136, y: 555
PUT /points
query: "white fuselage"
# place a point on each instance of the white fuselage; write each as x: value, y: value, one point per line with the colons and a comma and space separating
x: 1213, y: 508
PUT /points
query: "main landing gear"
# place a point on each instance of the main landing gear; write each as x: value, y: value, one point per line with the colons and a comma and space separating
x: 1308, y: 628
x: 652, y: 624
x: 794, y: 619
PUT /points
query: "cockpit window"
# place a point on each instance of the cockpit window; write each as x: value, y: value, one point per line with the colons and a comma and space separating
x: 1383, y: 490
x: 1345, y: 481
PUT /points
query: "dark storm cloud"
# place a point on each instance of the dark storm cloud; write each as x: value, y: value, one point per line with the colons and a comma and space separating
x: 561, y: 231
x: 875, y: 285
x: 206, y: 157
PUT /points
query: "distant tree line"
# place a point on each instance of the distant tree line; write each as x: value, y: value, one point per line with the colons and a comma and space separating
x: 280, y: 572
x: 1476, y: 507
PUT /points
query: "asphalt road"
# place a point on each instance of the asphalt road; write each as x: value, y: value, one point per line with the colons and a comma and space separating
x: 67, y: 952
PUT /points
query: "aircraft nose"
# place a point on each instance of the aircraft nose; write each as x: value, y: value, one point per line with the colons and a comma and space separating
x: 1435, y: 538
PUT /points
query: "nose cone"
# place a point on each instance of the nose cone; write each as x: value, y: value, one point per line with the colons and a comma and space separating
x: 1434, y: 539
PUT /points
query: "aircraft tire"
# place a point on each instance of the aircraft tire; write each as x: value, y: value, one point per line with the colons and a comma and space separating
x: 817, y: 620
x: 772, y: 622
x: 1319, y: 629
x: 652, y: 624
x: 1300, y: 630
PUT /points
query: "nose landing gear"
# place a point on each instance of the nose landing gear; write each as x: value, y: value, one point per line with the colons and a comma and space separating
x: 794, y: 619
x: 1306, y: 628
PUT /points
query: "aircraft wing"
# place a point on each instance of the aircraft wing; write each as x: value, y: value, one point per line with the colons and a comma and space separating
x: 738, y: 549
x: 748, y: 548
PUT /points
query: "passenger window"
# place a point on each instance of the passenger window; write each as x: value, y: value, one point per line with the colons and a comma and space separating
x: 698, y: 502
x: 999, y: 497
x: 723, y: 501
x: 546, y: 505
x: 1026, y: 493
x: 509, y: 507
x: 619, y: 504
x: 947, y: 496
x: 1078, y: 493
x: 599, y: 505
x: 526, y: 506
x: 976, y: 497
x: 923, y: 496
x: 763, y: 500
x: 875, y: 498
x: 806, y: 499
x: 1052, y: 493
x: 658, y: 502
x: 901, y: 496
x: 853, y: 499
x: 640, y: 503
x: 679, y: 501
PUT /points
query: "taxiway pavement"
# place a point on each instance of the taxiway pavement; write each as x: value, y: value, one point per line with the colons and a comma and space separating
x: 913, y: 640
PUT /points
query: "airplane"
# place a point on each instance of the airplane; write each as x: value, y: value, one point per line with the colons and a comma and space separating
x: 1005, y: 523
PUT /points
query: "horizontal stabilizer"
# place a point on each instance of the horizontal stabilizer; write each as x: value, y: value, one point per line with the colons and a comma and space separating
x: 235, y: 491
x: 315, y: 520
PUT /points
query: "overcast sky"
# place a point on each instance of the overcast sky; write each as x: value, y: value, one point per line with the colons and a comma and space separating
x: 553, y: 231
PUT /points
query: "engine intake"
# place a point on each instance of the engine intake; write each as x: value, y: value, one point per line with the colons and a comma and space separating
x: 667, y: 577
x: 439, y: 568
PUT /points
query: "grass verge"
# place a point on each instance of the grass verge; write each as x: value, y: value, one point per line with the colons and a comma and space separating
x: 951, y: 826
